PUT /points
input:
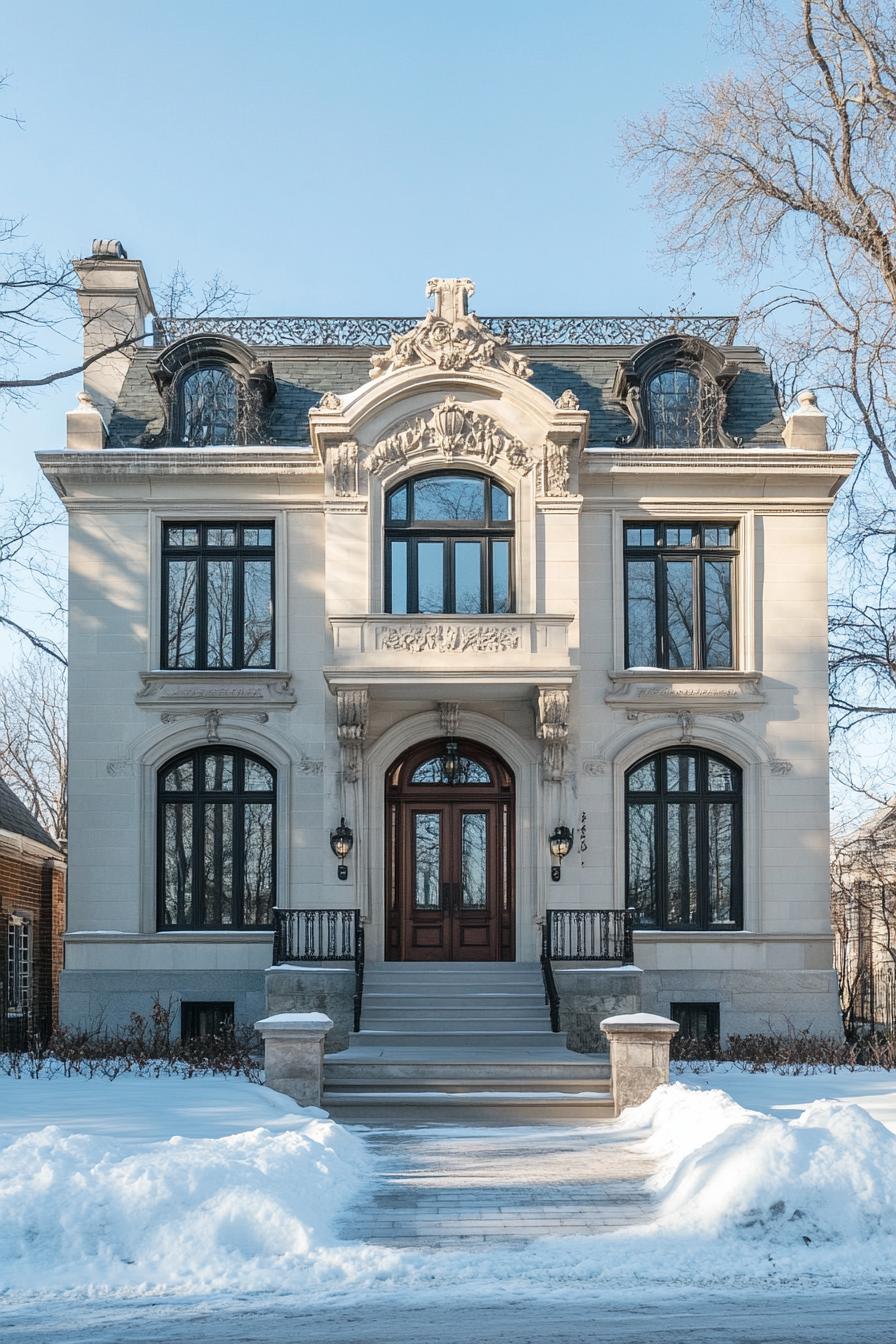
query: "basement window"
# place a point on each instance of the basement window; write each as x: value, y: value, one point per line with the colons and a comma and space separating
x: 199, y: 1020
x: 696, y: 1021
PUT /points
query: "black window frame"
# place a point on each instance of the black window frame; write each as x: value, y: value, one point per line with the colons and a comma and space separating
x: 702, y: 796
x: 696, y: 439
x: 687, y: 1014
x: 202, y: 553
x: 192, y: 1012
x: 449, y: 532
x: 199, y: 366
x: 700, y: 553
x: 198, y: 795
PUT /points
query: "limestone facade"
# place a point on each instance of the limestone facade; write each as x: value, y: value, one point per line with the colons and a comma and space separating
x: 544, y: 685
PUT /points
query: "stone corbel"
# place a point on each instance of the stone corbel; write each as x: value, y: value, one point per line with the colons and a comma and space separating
x: 552, y: 730
x: 343, y: 458
x: 555, y: 470
x: 352, y: 714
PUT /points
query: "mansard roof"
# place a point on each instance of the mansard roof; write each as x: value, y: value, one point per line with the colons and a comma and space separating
x: 303, y: 373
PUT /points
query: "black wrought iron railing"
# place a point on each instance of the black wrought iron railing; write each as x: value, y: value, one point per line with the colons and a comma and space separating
x: 582, y: 935
x: 374, y: 332
x: 322, y: 935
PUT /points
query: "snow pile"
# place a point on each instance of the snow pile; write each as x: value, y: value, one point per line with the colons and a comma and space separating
x: 828, y: 1175
x: 254, y: 1208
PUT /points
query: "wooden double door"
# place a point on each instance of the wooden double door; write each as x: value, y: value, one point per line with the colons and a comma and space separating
x: 449, y: 878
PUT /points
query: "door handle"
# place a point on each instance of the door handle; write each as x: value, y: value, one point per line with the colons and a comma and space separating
x: 446, y: 897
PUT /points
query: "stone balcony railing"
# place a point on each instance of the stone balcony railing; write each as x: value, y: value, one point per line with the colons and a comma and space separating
x: 521, y: 649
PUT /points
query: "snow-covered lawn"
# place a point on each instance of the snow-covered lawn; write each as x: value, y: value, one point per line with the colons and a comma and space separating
x: 219, y: 1191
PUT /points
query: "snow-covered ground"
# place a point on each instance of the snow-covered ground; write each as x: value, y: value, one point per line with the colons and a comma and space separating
x: 137, y: 1199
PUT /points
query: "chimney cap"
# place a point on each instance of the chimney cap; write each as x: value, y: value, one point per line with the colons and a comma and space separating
x: 109, y: 249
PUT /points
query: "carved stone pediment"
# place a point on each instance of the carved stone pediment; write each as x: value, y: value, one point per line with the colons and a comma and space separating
x: 450, y: 430
x: 449, y: 337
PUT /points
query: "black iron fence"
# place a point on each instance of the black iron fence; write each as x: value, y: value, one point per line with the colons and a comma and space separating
x: 872, y: 1000
x: 582, y: 935
x: 321, y: 936
x: 23, y: 1030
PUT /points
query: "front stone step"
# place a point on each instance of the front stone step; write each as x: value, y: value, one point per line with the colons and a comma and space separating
x: 510, y: 1039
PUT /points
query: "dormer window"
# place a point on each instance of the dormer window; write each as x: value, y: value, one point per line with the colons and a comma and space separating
x: 675, y: 391
x: 208, y: 413
x: 673, y: 409
x: 214, y: 392
x: 449, y: 545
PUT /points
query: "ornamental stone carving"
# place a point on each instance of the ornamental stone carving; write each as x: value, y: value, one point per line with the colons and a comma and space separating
x: 345, y: 468
x: 411, y: 637
x: 779, y: 767
x: 449, y: 337
x: 567, y: 401
x: 552, y: 729
x: 449, y: 717
x: 555, y: 481
x: 329, y: 402
x: 450, y: 430
x: 352, y: 714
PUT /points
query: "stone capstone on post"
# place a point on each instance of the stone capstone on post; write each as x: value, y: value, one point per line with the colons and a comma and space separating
x: 294, y: 1054
x: 639, y: 1055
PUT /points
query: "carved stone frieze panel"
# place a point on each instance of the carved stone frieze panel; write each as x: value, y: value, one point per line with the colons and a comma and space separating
x: 686, y: 691
x: 271, y: 690
x: 447, y: 637
x: 556, y: 470
x: 450, y: 430
x: 449, y: 337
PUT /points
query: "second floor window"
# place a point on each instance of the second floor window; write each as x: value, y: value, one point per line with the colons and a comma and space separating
x: 449, y: 545
x: 679, y: 586
x: 218, y: 595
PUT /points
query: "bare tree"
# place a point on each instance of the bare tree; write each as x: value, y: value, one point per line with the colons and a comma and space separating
x: 790, y: 165
x: 33, y: 751
x: 28, y: 573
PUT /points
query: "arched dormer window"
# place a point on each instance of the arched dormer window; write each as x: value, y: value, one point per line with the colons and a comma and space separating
x: 449, y: 545
x: 683, y: 841
x: 216, y: 841
x: 214, y: 392
x: 675, y: 391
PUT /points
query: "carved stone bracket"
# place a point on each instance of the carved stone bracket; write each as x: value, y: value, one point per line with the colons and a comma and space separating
x: 555, y: 472
x: 552, y: 730
x: 449, y: 337
x: 352, y: 715
x: 344, y: 463
x: 450, y: 430
x: 449, y: 717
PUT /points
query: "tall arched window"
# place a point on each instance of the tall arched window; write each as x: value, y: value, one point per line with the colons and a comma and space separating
x: 683, y: 841
x: 216, y: 841
x: 673, y: 409
x: 208, y: 411
x: 449, y: 545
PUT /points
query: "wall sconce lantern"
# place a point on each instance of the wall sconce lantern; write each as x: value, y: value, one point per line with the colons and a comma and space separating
x: 450, y: 761
x: 341, y: 841
x: 560, y: 841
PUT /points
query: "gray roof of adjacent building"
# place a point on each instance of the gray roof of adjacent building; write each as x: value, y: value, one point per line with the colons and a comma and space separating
x: 16, y: 819
x: 303, y: 374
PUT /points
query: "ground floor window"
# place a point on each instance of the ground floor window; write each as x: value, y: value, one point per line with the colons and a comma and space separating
x: 216, y: 841
x: 18, y: 966
x: 683, y: 841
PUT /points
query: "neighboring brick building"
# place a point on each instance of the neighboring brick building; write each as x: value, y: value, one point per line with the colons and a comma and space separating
x: 32, y: 915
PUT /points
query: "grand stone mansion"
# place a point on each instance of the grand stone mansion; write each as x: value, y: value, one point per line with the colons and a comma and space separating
x: 459, y: 639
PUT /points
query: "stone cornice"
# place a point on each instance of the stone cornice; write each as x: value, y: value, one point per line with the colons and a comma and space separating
x: 722, y: 461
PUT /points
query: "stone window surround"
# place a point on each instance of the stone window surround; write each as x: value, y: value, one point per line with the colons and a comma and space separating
x: 179, y: 512
x: 744, y: 582
x: 162, y: 744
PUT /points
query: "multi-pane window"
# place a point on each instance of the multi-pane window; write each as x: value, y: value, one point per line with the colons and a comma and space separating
x: 216, y: 841
x: 673, y: 409
x: 218, y: 595
x: 449, y: 545
x: 683, y: 841
x: 18, y: 966
x: 209, y: 407
x: 679, y: 595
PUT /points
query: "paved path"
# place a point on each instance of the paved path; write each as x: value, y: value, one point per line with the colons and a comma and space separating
x: 442, y: 1187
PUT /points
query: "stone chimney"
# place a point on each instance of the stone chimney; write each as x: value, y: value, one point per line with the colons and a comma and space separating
x: 807, y: 428
x: 115, y: 301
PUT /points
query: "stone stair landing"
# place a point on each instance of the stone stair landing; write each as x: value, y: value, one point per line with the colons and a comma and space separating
x: 452, y: 1042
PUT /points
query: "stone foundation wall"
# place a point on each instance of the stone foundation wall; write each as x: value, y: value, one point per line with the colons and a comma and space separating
x: 589, y: 994
x: 315, y: 989
x: 751, y: 1001
x: 106, y: 999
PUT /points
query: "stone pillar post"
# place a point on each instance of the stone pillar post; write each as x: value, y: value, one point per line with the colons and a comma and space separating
x: 639, y: 1055
x: 294, y: 1054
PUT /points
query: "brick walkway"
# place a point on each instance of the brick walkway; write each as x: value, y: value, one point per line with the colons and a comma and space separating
x: 450, y: 1188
